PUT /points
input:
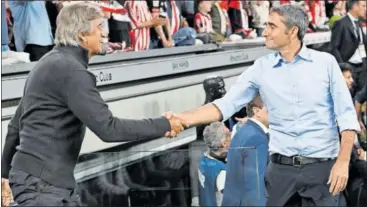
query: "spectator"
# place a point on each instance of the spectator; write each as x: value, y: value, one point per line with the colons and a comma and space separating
x: 347, y: 74
x: 339, y: 8
x: 337, y: 11
x: 177, y: 32
x: 203, y: 20
x: 32, y: 29
x: 4, y: 29
x: 220, y: 20
x: 349, y: 43
x: 239, y: 19
x: 281, y: 2
x: 212, y: 166
x: 317, y: 14
x: 141, y: 22
x: 119, y: 26
x: 260, y: 14
x: 187, y: 8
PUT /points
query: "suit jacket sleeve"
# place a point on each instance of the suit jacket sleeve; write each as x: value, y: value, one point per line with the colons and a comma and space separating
x: 336, y: 38
x: 83, y: 99
x: 11, y: 141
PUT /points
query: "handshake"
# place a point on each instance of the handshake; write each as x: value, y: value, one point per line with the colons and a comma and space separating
x: 177, y: 123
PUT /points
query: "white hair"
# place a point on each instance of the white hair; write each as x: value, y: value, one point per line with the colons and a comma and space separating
x: 214, y: 134
x: 73, y: 20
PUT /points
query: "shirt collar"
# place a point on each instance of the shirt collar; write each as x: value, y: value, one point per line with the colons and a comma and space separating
x: 263, y: 127
x: 352, y: 17
x: 81, y: 54
x: 303, y: 54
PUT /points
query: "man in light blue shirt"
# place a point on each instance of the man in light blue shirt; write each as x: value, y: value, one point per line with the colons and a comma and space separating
x: 307, y: 100
x: 32, y: 29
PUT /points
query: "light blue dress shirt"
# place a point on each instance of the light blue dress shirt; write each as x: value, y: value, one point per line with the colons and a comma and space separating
x: 306, y: 99
x: 31, y: 24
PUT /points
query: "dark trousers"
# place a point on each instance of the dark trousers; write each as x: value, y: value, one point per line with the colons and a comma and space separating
x: 301, y: 186
x: 36, y: 51
x: 359, y: 73
x: 29, y: 190
x: 357, y: 184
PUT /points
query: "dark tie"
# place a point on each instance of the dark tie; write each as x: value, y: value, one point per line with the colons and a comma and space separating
x: 358, y: 30
x: 267, y: 134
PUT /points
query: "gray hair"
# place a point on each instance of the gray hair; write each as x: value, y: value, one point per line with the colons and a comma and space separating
x: 73, y: 20
x: 294, y: 16
x: 214, y: 134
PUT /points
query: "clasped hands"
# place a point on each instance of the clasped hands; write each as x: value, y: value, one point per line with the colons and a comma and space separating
x: 178, y: 124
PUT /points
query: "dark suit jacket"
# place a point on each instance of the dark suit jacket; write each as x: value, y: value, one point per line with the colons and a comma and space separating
x: 247, y: 162
x: 344, y: 42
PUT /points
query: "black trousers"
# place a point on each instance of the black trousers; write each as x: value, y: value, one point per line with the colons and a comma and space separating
x: 359, y: 74
x: 36, y: 51
x: 301, y: 186
x: 357, y: 184
x: 29, y: 190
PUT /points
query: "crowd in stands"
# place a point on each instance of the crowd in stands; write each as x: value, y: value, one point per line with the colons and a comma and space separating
x: 136, y: 25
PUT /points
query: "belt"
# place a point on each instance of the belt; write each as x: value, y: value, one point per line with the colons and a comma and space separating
x: 356, y: 64
x: 297, y: 160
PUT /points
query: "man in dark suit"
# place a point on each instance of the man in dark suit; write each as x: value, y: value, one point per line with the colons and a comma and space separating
x: 248, y: 159
x: 348, y: 41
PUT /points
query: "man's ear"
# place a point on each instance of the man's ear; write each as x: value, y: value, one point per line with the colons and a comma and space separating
x: 223, y: 142
x: 82, y: 38
x: 256, y: 110
x: 295, y: 31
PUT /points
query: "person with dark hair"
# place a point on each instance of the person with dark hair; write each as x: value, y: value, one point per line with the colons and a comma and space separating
x: 309, y: 105
x: 357, y: 166
x: 346, y: 69
x: 349, y: 43
x: 248, y: 159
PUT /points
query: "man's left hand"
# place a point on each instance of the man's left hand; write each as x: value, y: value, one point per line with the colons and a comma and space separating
x: 338, y: 178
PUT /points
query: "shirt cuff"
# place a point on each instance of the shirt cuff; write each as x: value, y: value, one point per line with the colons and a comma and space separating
x: 348, y: 122
x: 224, y: 108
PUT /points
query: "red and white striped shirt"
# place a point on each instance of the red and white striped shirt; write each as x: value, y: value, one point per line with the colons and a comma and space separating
x: 139, y: 13
x: 160, y: 8
x: 281, y: 2
x: 176, y: 18
x: 203, y: 23
x: 315, y: 10
x: 239, y: 19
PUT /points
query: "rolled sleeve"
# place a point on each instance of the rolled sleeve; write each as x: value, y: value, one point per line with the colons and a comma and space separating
x: 345, y: 113
x: 241, y: 93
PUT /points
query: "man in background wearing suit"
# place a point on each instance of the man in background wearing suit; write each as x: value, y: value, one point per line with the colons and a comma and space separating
x: 349, y: 43
x: 248, y: 159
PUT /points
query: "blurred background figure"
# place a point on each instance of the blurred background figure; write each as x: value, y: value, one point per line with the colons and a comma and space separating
x: 212, y: 167
x: 32, y: 28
